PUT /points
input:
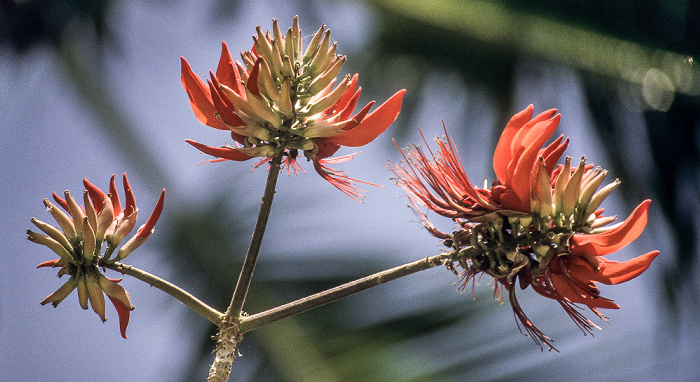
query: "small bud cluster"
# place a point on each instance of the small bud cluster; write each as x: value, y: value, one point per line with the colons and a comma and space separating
x: 85, y: 231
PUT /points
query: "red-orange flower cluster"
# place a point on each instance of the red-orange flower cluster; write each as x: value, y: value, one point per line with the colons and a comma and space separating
x: 539, y: 223
x: 284, y: 98
x: 79, y: 243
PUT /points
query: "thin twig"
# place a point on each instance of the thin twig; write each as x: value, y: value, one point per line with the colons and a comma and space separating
x: 307, y: 303
x: 192, y: 302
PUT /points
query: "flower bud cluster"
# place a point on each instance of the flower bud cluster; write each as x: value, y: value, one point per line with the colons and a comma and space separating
x: 84, y: 232
x: 286, y: 98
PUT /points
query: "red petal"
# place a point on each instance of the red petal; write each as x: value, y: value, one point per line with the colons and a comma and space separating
x: 503, y: 154
x: 345, y: 99
x: 61, y: 202
x: 50, y: 263
x: 579, y: 296
x: 116, y: 205
x: 124, y: 314
x: 147, y: 228
x: 553, y: 152
x: 227, y: 72
x: 225, y: 111
x: 608, y: 242
x: 220, y: 152
x: 96, y: 195
x: 252, y: 83
x: 531, y: 142
x: 200, y: 99
x: 129, y: 196
x: 326, y: 149
x: 372, y: 125
x: 613, y: 272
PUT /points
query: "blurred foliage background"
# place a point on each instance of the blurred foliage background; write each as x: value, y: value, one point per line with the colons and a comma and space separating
x: 626, y: 68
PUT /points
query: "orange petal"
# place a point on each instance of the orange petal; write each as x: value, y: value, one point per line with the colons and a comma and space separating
x: 608, y: 242
x: 553, y: 152
x: 227, y: 72
x: 346, y: 98
x: 225, y: 111
x: 372, y: 125
x: 252, y: 83
x: 200, y: 98
x: 564, y: 288
x: 502, y: 155
x: 50, y: 263
x: 229, y: 153
x: 114, y: 196
x: 613, y: 272
x: 532, y: 141
x: 96, y: 195
x: 129, y: 196
x: 124, y: 314
x: 147, y: 228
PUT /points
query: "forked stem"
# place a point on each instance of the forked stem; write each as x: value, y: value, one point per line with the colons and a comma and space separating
x: 229, y: 334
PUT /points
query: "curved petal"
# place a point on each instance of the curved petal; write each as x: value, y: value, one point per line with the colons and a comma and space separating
x: 372, y: 125
x: 226, y: 112
x: 345, y: 99
x: 610, y: 241
x: 226, y: 71
x: 531, y: 143
x: 613, y: 272
x: 502, y: 155
x: 326, y: 149
x: 553, y: 152
x: 114, y: 196
x: 564, y: 288
x: 129, y: 199
x: 200, y: 98
x: 220, y: 152
x: 96, y: 195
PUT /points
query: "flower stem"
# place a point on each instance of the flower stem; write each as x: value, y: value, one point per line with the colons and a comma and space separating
x: 192, y: 302
x: 310, y: 302
x: 229, y: 335
x: 246, y: 276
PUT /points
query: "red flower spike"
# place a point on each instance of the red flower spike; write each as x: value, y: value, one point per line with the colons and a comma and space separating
x: 615, y: 239
x: 536, y: 219
x: 200, y: 99
x: 318, y: 122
